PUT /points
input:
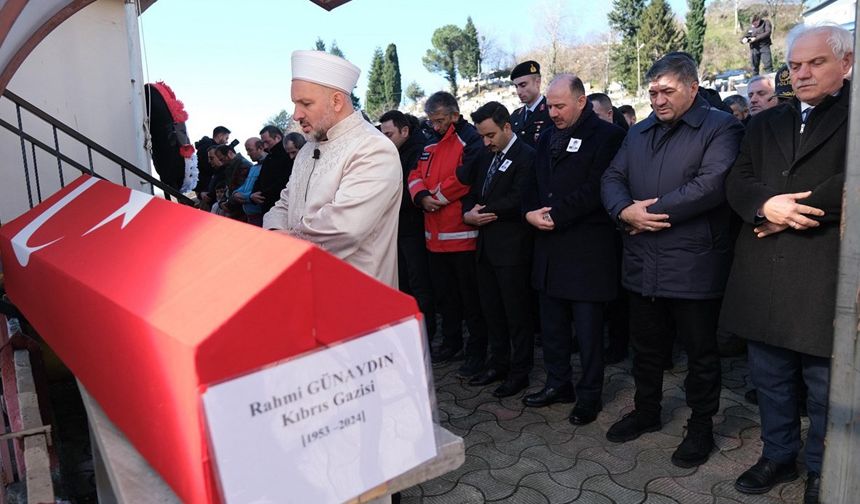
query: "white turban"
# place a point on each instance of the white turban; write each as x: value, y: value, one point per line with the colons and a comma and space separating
x: 325, y: 69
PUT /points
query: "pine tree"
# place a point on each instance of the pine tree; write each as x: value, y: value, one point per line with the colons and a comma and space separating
x: 624, y: 20
x: 658, y: 32
x: 414, y: 92
x: 391, y: 74
x: 442, y: 58
x: 469, y: 56
x: 374, y: 102
x: 696, y: 25
x: 319, y: 45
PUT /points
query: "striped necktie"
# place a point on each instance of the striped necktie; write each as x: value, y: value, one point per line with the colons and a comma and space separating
x: 491, y: 171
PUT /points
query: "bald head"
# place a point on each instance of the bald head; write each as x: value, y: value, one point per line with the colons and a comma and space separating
x: 566, y: 100
x: 255, y: 149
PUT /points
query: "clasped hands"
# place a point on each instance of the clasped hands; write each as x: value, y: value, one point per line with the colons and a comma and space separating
x: 640, y: 220
x: 783, y: 211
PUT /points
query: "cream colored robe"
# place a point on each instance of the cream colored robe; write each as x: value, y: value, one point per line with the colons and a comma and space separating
x: 347, y: 201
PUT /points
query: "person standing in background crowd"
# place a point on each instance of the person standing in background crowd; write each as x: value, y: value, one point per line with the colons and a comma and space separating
x: 220, y: 136
x: 787, y: 186
x: 602, y: 104
x: 677, y: 248
x: 629, y: 114
x: 242, y: 195
x: 345, y: 188
x: 275, y: 170
x: 759, y: 39
x: 739, y: 107
x: 293, y: 142
x: 532, y: 118
x: 575, y: 260
x: 412, y: 264
x: 504, y: 250
x: 761, y: 95
x: 442, y: 177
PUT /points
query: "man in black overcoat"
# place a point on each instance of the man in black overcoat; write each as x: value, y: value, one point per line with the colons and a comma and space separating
x: 787, y: 186
x: 504, y: 250
x: 575, y: 270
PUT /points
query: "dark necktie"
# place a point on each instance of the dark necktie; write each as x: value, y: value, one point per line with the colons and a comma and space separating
x: 525, y: 114
x: 804, y: 116
x: 490, y: 172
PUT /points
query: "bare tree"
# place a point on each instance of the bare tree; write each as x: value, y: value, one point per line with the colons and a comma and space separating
x: 553, y: 19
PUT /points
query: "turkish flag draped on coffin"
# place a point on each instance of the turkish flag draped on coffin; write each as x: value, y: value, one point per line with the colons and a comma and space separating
x: 149, y: 302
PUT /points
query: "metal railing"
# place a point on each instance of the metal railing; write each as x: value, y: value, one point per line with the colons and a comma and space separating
x: 32, y: 176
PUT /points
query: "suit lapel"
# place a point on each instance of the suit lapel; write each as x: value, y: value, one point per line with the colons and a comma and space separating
x: 510, y: 155
x: 783, y: 127
x: 814, y: 137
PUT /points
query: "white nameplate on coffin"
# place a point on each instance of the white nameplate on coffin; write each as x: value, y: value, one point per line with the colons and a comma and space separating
x: 326, y: 426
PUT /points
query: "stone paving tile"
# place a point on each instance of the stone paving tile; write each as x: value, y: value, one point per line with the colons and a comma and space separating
x: 574, y: 477
x: 653, y: 498
x: 555, y: 493
x: 526, y: 495
x: 496, y: 490
x: 534, y: 455
x: 512, y: 475
x: 589, y: 497
x: 649, y: 462
x: 604, y: 485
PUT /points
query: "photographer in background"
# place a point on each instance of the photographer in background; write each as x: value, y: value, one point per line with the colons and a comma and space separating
x: 758, y: 38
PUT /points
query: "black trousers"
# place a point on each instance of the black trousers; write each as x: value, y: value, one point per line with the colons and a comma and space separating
x: 455, y: 286
x: 414, y: 277
x: 506, y: 301
x: 695, y: 322
x: 761, y: 55
x: 587, y: 317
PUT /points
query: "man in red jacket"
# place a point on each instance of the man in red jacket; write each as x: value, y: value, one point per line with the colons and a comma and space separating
x: 443, y: 176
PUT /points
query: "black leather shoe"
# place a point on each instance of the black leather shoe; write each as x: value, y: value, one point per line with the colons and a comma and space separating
x: 551, y: 395
x: 764, y: 475
x: 487, y: 377
x: 511, y: 386
x: 695, y: 449
x: 813, y: 488
x: 584, y: 412
x: 444, y: 354
x: 632, y: 425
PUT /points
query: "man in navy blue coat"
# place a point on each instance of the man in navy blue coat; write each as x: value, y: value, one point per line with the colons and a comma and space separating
x: 574, y: 269
x: 666, y: 187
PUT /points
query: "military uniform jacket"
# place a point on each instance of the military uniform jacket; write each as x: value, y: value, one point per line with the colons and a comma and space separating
x: 782, y: 288
x: 535, y: 124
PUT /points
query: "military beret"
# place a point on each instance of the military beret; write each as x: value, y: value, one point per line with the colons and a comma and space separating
x: 782, y: 83
x: 525, y: 68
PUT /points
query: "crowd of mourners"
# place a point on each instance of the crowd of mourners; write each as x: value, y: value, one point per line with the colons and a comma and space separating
x: 567, y: 223
x: 243, y: 188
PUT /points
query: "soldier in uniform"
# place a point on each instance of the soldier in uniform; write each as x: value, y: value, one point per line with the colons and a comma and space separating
x: 529, y: 121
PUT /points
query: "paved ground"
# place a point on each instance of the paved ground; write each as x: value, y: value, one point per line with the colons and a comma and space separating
x: 527, y: 455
